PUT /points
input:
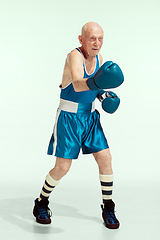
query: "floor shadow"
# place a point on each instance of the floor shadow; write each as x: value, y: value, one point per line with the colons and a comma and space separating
x: 68, y: 211
x: 18, y: 211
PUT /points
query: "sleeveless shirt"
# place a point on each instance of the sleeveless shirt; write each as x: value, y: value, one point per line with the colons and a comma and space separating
x: 68, y: 93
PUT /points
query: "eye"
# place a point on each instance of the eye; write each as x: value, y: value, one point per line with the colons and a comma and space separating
x: 101, y: 39
x: 92, y: 39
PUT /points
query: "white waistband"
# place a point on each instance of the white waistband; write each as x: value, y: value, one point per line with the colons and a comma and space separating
x: 74, y: 107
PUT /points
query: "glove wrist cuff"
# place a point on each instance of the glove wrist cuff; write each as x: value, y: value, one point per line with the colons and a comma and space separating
x: 92, y: 85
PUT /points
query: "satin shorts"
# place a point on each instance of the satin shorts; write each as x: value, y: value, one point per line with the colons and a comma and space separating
x: 77, y: 127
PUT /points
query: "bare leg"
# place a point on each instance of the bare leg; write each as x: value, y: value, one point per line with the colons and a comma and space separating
x: 104, y: 161
x: 61, y: 168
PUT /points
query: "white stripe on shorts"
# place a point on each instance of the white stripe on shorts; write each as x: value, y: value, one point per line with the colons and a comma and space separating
x: 55, y: 132
x: 67, y: 106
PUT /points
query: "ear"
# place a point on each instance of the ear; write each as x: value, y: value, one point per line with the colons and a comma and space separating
x: 80, y: 39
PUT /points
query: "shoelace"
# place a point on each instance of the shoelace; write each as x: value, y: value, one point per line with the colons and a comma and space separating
x: 110, y: 215
x: 45, y: 212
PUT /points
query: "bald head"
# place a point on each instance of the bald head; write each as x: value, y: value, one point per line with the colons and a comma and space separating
x: 89, y: 28
x: 91, y: 39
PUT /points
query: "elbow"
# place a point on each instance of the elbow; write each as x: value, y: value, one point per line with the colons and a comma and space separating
x: 76, y: 86
x: 80, y: 86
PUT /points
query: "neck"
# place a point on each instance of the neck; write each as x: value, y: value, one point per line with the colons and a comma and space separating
x: 86, y: 55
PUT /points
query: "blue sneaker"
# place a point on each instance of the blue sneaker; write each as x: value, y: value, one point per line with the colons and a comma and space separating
x: 108, y: 215
x: 42, y: 212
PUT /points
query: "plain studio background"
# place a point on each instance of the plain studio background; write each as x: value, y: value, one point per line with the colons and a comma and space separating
x: 35, y: 37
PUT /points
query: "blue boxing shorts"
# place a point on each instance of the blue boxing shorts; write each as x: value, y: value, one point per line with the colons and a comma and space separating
x: 77, y: 127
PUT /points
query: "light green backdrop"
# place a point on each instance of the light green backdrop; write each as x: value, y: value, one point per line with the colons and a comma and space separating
x: 35, y: 37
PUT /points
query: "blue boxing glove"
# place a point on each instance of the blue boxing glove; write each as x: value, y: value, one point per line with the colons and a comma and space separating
x: 110, y: 101
x: 109, y: 75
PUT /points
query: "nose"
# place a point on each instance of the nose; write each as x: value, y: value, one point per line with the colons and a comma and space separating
x: 96, y: 42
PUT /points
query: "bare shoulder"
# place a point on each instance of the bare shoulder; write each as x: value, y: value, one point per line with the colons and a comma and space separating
x: 75, y: 63
x: 73, y: 68
x: 74, y: 56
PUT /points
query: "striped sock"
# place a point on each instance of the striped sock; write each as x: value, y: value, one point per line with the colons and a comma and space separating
x: 48, y: 187
x: 106, y: 186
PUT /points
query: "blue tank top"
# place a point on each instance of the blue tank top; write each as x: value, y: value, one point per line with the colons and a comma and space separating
x: 88, y: 96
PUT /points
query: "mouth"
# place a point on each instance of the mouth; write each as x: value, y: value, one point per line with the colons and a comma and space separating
x: 95, y: 49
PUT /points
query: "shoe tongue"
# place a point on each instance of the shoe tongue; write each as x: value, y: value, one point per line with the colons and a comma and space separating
x: 109, y: 204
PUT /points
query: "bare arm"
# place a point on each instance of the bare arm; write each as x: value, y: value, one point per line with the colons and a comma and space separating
x: 75, y: 62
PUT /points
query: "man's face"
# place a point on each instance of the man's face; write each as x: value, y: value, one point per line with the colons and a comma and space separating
x: 92, y: 41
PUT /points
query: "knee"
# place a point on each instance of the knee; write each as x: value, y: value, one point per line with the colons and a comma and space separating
x: 104, y: 159
x: 104, y: 155
x: 62, y: 169
x: 109, y: 158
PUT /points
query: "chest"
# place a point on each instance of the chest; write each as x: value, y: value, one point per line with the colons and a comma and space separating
x: 90, y: 66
